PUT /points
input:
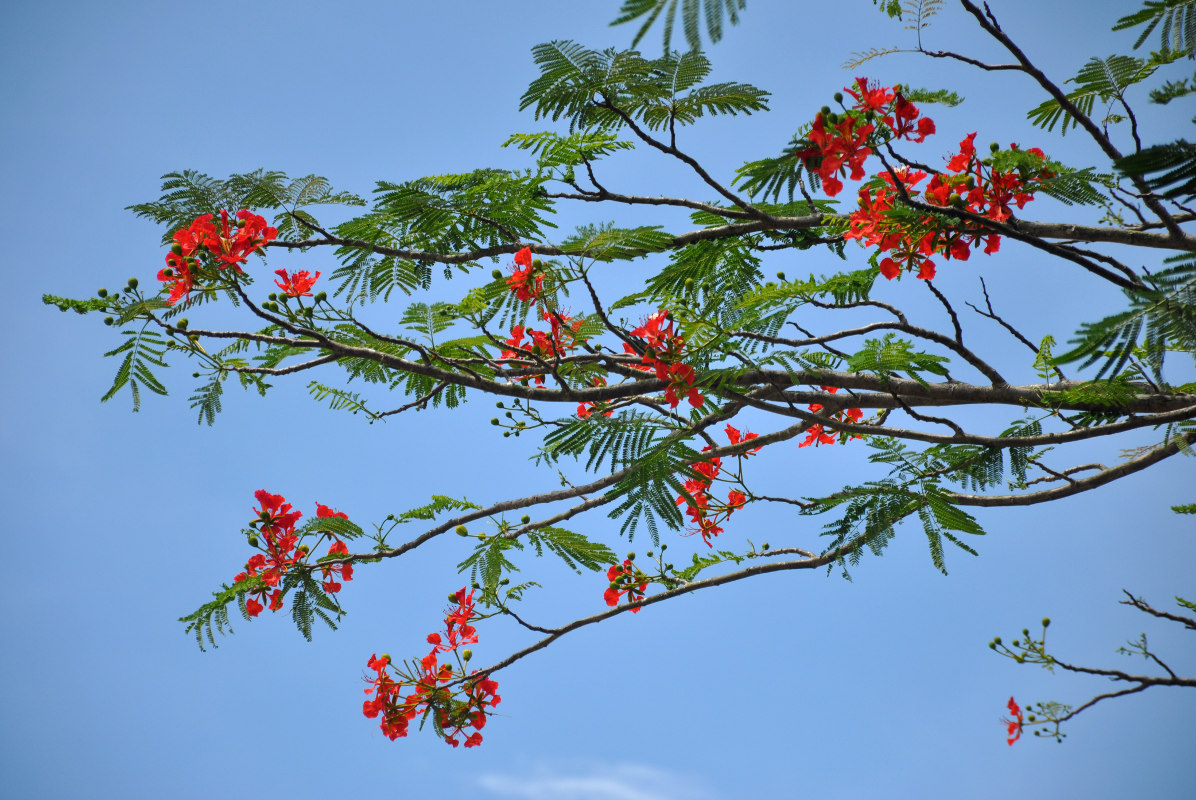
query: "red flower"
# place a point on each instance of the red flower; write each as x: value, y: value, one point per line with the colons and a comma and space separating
x: 178, y: 275
x: 297, y: 284
x: 625, y: 579
x: 1014, y: 726
x: 253, y: 607
x: 324, y: 512
x: 526, y: 285
x: 736, y: 437
x: 232, y: 243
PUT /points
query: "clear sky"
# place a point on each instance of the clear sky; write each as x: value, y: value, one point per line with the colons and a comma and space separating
x: 793, y: 685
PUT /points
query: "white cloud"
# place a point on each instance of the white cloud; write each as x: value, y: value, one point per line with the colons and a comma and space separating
x: 620, y: 782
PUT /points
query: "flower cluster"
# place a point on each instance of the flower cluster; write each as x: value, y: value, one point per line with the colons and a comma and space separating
x: 296, y: 284
x: 1014, y: 726
x: 663, y: 350
x: 816, y: 434
x: 526, y: 283
x: 706, y: 515
x: 625, y: 579
x: 426, y: 682
x: 588, y: 407
x: 281, y: 550
x: 560, y: 338
x: 226, y: 243
x: 969, y: 184
x: 840, y: 143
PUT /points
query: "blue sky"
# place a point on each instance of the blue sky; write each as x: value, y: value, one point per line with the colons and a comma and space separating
x: 790, y: 685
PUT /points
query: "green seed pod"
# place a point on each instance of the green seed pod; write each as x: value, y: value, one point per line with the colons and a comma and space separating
x: 466, y: 654
x: 462, y: 530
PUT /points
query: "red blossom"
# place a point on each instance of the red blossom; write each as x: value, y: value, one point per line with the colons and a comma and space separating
x: 625, y: 579
x: 526, y: 284
x: 1014, y: 726
x: 297, y: 284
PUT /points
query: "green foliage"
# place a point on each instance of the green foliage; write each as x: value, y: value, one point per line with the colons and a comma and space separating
x: 488, y: 561
x: 571, y: 547
x: 1178, y: 24
x: 143, y: 348
x: 78, y: 306
x: 1103, y: 78
x: 944, y: 97
x: 704, y: 561
x: 692, y: 14
x: 608, y: 243
x: 207, y: 399
x: 650, y: 488
x: 339, y: 399
x: 1189, y: 508
x: 1172, y: 90
x: 1175, y: 160
x: 657, y: 93
x: 435, y: 507
x: 620, y: 440
x: 889, y: 356
x: 553, y: 150
x: 309, y: 601
x: 212, y: 617
x: 1159, y: 319
x: 189, y: 194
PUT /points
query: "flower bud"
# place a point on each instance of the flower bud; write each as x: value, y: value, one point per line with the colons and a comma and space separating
x: 992, y: 645
x: 253, y: 541
x: 496, y: 274
x: 194, y: 374
x: 994, y: 147
x: 177, y: 249
x: 1046, y: 622
x: 764, y: 546
x: 997, y: 640
x: 537, y: 264
x: 955, y: 200
x: 668, y: 566
x: 475, y: 585
x: 825, y: 111
x: 168, y: 272
x: 780, y: 276
x: 132, y: 283
x: 504, y: 582
x: 321, y: 297
x: 1016, y: 643
x: 109, y: 320
x: 304, y: 549
x: 462, y: 530
x: 631, y: 556
x: 273, y: 296
x: 838, y: 97
x: 1025, y: 631
x: 452, y: 597
x: 494, y: 421
x: 649, y: 554
x: 525, y: 519
x: 466, y: 654
x: 182, y: 324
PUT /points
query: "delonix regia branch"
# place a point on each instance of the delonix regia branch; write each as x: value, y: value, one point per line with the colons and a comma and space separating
x: 650, y: 404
